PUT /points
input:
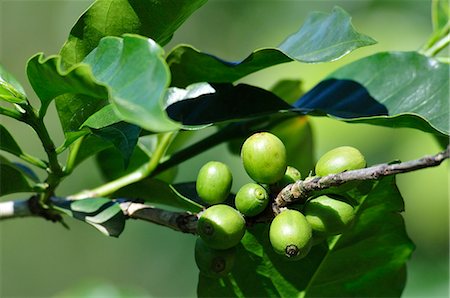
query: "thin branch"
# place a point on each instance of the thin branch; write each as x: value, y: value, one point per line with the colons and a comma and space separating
x: 12, y: 209
x: 302, y: 189
x: 185, y: 222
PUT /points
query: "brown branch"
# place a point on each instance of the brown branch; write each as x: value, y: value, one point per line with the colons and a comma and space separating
x: 302, y: 189
x: 185, y: 222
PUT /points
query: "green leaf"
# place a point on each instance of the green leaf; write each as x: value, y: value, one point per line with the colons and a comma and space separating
x: 12, y: 178
x: 10, y: 89
x: 228, y: 102
x: 102, y: 213
x: 122, y: 135
x: 137, y: 77
x: 158, y: 192
x: 7, y: 142
x: 323, y: 37
x: 288, y: 90
x: 90, y: 146
x: 413, y: 88
x: 155, y: 19
x: 50, y: 79
x: 366, y: 260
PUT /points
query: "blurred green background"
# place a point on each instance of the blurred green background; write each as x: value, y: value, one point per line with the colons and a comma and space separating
x: 40, y: 259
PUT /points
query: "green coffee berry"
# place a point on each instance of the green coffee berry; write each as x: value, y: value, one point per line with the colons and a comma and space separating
x: 212, y: 262
x: 264, y: 157
x: 328, y: 216
x: 221, y: 226
x: 251, y: 199
x: 214, y: 182
x: 290, y: 234
x: 340, y: 159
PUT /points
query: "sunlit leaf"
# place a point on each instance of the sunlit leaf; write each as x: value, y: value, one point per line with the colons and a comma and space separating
x: 137, y: 78
x: 413, y: 88
x: 155, y: 19
x: 323, y: 37
x: 10, y: 89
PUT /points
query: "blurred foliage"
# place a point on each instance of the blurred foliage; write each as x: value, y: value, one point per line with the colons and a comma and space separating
x: 147, y: 259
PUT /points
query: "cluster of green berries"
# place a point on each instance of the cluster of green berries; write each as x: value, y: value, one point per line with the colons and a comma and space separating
x: 292, y: 232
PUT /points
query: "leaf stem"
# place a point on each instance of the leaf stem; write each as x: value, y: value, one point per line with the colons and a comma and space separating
x: 438, y: 46
x: 33, y: 160
x: 137, y: 175
x: 73, y: 152
x: 11, y: 113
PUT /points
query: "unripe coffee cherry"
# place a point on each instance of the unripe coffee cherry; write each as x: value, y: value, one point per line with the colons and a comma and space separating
x: 214, y: 182
x: 340, y: 159
x: 264, y: 157
x: 328, y: 216
x: 251, y: 199
x: 221, y: 226
x: 212, y: 262
x: 290, y: 234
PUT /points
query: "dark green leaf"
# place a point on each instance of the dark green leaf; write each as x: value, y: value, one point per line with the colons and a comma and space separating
x: 122, y: 135
x: 12, y: 179
x: 90, y: 146
x: 28, y: 172
x: 155, y: 19
x: 227, y: 103
x: 158, y: 192
x: 7, y: 142
x: 413, y: 88
x: 76, y: 80
x: 323, y: 37
x: 366, y: 260
x: 102, y: 213
x: 10, y: 88
x: 137, y: 78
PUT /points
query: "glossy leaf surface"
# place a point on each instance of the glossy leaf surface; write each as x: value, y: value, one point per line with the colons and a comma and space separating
x: 155, y: 19
x: 413, y: 88
x: 323, y: 37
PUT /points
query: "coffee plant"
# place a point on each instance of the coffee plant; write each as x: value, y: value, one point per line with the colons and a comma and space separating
x: 336, y: 230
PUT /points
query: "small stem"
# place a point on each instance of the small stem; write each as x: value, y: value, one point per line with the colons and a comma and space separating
x: 34, y: 160
x: 203, y: 145
x: 74, y: 148
x: 438, y: 46
x: 11, y: 113
x: 137, y: 175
